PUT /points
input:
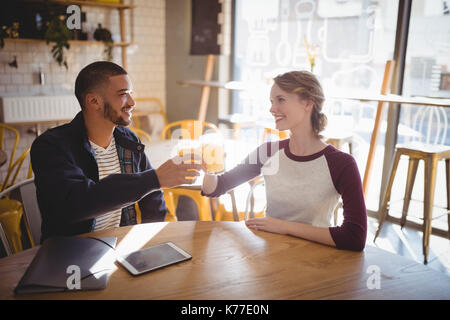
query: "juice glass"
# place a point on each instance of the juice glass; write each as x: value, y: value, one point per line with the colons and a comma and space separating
x: 213, y: 152
x: 189, y: 151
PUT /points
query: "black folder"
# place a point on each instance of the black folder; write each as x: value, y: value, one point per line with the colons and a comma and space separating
x: 60, y: 260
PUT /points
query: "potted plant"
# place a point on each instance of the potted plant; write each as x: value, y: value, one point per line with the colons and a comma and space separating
x: 58, y: 32
x: 8, y: 32
x: 103, y: 34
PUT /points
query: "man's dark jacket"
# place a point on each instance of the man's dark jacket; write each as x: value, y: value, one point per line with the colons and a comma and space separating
x: 69, y: 192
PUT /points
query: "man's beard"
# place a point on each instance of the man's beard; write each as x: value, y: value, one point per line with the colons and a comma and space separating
x: 110, y: 114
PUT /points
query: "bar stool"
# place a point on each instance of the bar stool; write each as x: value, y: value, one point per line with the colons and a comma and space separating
x: 430, y: 154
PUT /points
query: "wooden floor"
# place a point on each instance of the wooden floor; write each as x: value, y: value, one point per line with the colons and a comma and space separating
x: 408, y: 243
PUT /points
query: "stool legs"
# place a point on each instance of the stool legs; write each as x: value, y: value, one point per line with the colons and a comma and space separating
x: 383, y: 209
x: 430, y: 184
x: 171, y: 206
x: 175, y: 199
x: 233, y: 202
x: 204, y: 208
x: 447, y: 174
x: 412, y: 171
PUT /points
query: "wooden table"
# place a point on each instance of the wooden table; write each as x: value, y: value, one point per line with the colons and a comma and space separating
x: 230, y: 261
x: 390, y: 98
x: 393, y: 98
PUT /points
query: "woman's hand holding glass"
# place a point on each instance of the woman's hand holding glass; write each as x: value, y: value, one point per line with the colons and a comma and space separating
x: 213, y: 153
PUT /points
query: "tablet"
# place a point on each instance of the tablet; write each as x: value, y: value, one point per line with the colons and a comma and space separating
x: 153, y: 258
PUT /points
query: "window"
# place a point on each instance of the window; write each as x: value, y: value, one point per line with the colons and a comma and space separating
x: 352, y: 40
x: 427, y: 71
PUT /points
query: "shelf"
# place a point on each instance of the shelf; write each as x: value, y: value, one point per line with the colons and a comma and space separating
x: 115, y: 44
x: 108, y: 5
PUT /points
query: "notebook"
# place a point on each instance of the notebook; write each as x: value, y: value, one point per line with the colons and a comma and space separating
x: 69, y: 263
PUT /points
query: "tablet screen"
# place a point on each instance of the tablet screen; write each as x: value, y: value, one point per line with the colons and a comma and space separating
x: 155, y: 257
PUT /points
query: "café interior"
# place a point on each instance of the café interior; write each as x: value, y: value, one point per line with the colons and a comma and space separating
x: 384, y: 67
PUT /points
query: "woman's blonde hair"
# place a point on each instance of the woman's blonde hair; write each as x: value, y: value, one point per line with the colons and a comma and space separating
x: 307, y: 87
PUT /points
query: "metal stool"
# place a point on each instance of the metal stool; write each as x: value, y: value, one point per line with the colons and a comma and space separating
x: 431, y: 155
x: 429, y: 147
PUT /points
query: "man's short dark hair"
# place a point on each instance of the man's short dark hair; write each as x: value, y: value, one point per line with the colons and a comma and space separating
x: 94, y: 76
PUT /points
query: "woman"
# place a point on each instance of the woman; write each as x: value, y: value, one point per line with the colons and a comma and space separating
x: 304, y: 176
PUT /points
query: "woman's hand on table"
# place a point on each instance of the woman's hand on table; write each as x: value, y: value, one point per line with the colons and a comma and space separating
x: 268, y: 224
x: 292, y: 228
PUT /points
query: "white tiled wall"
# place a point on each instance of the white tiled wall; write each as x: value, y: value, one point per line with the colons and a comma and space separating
x: 146, y: 62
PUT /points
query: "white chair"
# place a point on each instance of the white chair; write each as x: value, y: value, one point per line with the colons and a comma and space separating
x: 25, y: 192
x: 250, y: 203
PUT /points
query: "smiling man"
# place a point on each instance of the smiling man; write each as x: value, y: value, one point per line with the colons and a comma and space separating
x: 90, y: 173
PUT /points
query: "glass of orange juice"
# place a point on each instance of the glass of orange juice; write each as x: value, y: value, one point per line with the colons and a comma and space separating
x: 213, y: 152
x: 190, y: 151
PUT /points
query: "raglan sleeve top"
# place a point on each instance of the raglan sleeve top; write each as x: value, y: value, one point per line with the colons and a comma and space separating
x: 344, y: 175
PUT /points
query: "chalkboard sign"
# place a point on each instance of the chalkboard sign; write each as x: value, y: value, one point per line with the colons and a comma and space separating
x: 205, y: 27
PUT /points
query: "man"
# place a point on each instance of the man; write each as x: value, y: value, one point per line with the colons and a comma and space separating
x: 90, y: 172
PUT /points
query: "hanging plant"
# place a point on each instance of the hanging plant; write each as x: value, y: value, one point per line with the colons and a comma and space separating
x: 58, y: 32
x: 8, y: 32
x: 3, y: 35
x: 104, y: 35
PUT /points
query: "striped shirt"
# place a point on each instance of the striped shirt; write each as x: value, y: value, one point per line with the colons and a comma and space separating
x: 108, y: 163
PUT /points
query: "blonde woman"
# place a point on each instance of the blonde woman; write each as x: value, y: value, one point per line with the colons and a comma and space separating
x: 304, y: 176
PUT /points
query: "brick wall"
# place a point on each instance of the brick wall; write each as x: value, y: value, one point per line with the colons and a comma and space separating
x: 146, y: 62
